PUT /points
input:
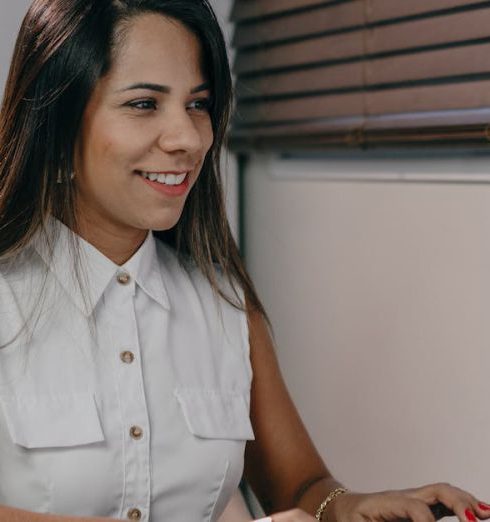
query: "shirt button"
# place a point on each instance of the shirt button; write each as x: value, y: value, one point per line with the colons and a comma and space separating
x: 134, y: 514
x: 127, y: 357
x: 123, y: 278
x: 136, y: 432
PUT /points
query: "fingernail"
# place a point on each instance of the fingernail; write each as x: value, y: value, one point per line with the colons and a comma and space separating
x: 469, y: 515
x: 484, y: 507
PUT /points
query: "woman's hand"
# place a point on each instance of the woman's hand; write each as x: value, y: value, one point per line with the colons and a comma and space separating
x: 409, y: 504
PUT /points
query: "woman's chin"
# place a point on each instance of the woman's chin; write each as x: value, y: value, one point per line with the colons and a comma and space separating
x: 162, y: 223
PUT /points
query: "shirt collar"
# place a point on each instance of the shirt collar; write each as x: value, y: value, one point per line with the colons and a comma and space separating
x: 86, y: 280
x: 145, y: 268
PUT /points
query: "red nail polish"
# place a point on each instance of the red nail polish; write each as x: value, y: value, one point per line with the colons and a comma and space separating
x: 469, y: 515
x: 484, y: 507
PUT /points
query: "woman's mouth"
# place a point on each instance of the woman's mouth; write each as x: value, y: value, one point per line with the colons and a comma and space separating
x: 165, y: 178
x: 173, y: 184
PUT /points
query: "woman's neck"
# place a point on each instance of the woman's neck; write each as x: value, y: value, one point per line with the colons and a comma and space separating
x: 117, y: 244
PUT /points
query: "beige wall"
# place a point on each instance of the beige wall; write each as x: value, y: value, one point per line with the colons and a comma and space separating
x: 379, y: 294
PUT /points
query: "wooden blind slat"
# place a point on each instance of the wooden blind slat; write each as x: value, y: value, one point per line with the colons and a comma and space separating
x: 403, y: 120
x: 339, y: 124
x: 325, y: 48
x: 311, y: 107
x: 468, y: 60
x: 247, y: 9
x: 326, y: 19
x: 378, y: 10
x: 465, y: 95
x: 342, y: 76
x: 431, y: 31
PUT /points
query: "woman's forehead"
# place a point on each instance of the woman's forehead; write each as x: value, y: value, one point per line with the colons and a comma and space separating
x: 159, y: 48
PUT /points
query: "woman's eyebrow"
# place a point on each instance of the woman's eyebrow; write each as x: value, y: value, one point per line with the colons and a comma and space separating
x: 162, y: 88
x: 203, y: 87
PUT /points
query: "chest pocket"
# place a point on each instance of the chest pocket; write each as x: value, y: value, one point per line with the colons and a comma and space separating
x: 214, y: 414
x: 219, y: 422
x: 49, y: 447
x: 52, y: 421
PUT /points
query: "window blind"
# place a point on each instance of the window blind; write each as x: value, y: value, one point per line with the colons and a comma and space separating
x: 316, y: 74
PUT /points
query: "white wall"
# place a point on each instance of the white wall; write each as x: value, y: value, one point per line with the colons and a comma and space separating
x: 229, y: 165
x: 11, y: 14
x: 379, y: 294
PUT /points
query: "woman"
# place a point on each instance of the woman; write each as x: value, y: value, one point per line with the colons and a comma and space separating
x: 129, y: 328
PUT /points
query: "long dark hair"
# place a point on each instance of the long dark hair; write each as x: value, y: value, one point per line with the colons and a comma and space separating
x: 64, y: 47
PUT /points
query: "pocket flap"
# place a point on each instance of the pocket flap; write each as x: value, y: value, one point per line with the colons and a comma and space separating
x: 216, y: 414
x: 52, y: 420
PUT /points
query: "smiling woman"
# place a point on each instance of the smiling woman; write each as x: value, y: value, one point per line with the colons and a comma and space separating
x: 129, y: 328
x: 144, y: 136
x: 115, y: 244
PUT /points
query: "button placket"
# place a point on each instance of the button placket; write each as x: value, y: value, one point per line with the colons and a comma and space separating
x: 132, y: 401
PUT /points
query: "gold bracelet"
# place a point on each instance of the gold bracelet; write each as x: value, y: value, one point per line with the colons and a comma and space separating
x: 333, y: 494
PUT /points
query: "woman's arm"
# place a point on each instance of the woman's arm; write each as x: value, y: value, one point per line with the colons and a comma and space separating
x: 286, y: 472
x: 282, y: 465
x: 8, y: 514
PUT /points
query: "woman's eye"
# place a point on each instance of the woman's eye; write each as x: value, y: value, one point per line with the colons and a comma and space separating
x: 145, y: 105
x: 202, y: 105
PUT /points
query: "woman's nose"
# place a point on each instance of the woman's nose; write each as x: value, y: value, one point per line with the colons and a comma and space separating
x: 180, y: 133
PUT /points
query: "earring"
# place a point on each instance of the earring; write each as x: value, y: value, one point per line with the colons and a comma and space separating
x: 59, y: 179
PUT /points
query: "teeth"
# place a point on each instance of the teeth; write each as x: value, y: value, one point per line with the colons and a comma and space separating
x: 166, y: 179
x: 171, y: 179
x: 180, y: 178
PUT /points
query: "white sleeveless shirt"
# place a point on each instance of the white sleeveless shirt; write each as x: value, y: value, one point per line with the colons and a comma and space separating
x: 128, y: 400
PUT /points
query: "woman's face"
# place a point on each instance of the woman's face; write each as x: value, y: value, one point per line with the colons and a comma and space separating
x: 145, y: 132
